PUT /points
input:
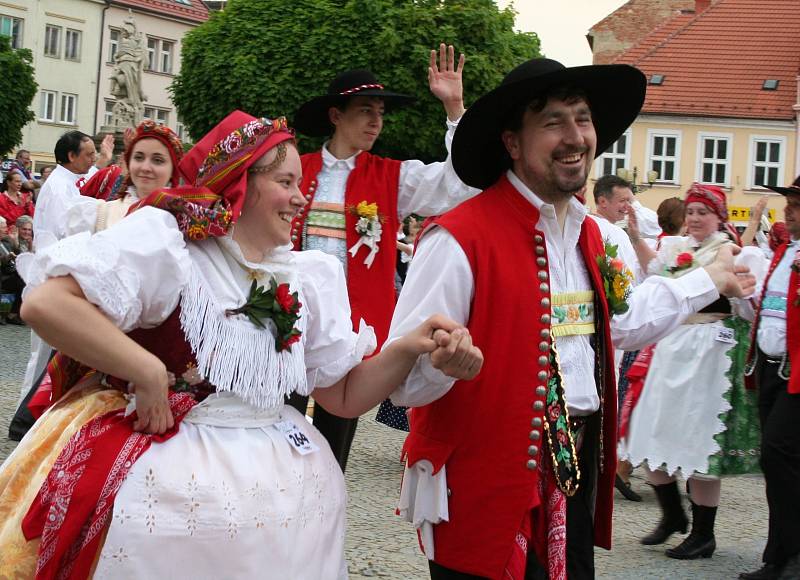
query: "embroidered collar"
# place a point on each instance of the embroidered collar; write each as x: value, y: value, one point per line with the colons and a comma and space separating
x: 329, y: 160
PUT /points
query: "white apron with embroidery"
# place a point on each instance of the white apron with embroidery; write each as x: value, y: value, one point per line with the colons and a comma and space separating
x: 229, y: 496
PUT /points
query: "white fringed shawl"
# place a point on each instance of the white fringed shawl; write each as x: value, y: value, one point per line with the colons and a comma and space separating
x: 232, y: 353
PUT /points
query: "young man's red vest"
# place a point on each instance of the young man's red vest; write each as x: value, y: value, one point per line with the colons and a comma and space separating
x: 792, y: 323
x: 374, y: 180
x: 483, y: 429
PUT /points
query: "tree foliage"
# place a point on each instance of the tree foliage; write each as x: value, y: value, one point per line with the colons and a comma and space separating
x: 266, y: 57
x: 17, y: 89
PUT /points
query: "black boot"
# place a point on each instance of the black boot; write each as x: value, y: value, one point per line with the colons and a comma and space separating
x: 700, y: 543
x: 673, y: 518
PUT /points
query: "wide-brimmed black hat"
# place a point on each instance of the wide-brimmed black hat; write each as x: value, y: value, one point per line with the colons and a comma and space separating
x: 615, y: 93
x: 312, y: 117
x: 794, y: 188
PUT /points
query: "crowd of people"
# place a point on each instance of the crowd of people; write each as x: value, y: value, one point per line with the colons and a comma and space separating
x: 186, y: 307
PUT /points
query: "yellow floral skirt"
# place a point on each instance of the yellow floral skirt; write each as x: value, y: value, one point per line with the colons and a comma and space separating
x: 24, y: 471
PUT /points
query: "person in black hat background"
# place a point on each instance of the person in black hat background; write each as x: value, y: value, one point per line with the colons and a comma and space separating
x: 511, y: 475
x: 775, y: 349
x: 356, y: 200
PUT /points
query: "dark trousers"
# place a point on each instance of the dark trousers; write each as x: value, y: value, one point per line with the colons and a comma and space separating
x: 779, y: 413
x: 580, y: 532
x: 338, y: 432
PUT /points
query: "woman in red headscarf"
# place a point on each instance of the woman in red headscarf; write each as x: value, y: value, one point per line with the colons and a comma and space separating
x: 196, y: 307
x: 694, y: 414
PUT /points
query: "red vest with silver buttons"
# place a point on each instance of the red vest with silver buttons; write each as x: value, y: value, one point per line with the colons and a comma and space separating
x: 374, y: 180
x: 489, y: 431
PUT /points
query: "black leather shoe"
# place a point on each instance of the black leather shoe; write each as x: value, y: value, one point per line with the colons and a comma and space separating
x: 626, y: 490
x: 766, y: 572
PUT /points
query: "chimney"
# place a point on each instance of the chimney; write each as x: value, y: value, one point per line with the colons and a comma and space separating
x: 701, y: 5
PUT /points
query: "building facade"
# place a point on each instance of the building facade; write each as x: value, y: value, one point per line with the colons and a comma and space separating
x: 722, y: 107
x: 73, y: 43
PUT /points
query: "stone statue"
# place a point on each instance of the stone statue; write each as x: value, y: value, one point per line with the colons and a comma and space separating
x: 126, y: 78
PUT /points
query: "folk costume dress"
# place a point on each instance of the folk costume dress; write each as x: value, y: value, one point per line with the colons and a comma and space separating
x: 480, y: 481
x: 694, y: 414
x: 228, y: 494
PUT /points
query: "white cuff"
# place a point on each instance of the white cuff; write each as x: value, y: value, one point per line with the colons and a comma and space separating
x: 423, y: 500
x: 362, y: 344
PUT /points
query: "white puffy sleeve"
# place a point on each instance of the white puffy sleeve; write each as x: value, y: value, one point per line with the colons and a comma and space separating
x: 331, y: 346
x: 134, y: 272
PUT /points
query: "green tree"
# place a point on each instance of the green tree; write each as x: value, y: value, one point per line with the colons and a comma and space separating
x: 17, y: 89
x: 266, y: 57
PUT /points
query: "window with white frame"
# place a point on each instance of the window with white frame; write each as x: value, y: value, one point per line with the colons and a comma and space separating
x: 166, y: 56
x: 68, y: 111
x: 767, y: 160
x: 72, y: 44
x: 714, y: 159
x: 160, y: 116
x: 159, y: 55
x: 615, y: 157
x: 47, y: 110
x: 12, y: 27
x: 52, y: 41
x: 113, y: 43
x: 663, y: 155
x: 180, y: 130
x: 108, y: 113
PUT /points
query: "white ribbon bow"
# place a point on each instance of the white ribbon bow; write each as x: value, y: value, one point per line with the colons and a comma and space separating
x: 370, y: 239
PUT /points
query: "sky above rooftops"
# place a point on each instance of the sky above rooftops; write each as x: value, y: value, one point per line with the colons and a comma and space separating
x: 562, y: 26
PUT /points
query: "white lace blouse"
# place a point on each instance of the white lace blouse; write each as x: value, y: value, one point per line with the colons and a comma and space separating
x: 138, y: 271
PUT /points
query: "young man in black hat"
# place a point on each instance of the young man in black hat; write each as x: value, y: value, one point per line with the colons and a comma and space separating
x: 775, y: 349
x: 524, y: 456
x: 356, y: 200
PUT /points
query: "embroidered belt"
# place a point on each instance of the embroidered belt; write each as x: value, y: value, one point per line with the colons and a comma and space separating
x: 572, y: 313
x: 326, y: 219
x: 774, y: 304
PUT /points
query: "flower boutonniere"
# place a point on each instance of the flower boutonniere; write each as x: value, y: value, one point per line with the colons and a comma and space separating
x: 278, y: 304
x: 617, y: 279
x: 369, y: 228
x: 683, y: 261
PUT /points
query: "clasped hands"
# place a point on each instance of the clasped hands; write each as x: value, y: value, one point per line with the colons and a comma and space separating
x: 449, y: 345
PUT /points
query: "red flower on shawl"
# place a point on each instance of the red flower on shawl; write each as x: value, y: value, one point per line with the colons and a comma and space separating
x: 562, y: 437
x: 286, y: 343
x: 284, y: 298
x: 684, y: 260
x: 554, y: 412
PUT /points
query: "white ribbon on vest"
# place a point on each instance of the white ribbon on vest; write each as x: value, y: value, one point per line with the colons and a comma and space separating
x: 370, y: 230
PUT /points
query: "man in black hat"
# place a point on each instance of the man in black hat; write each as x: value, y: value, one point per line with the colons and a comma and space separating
x: 775, y: 349
x: 357, y: 201
x: 524, y: 456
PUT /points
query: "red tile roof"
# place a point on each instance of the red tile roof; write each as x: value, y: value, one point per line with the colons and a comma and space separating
x: 192, y: 11
x: 629, y: 24
x: 714, y: 63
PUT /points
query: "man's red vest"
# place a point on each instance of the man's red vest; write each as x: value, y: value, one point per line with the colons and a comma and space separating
x: 488, y: 431
x: 792, y: 323
x: 374, y: 180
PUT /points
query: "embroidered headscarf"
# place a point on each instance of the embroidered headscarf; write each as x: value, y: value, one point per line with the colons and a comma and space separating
x: 111, y: 182
x: 714, y: 198
x: 217, y: 167
x: 151, y: 130
x: 220, y: 160
x: 711, y: 196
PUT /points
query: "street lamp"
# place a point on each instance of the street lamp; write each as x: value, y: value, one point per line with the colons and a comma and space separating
x: 631, y: 176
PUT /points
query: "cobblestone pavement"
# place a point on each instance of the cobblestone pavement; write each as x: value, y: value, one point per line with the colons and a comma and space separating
x: 379, y: 545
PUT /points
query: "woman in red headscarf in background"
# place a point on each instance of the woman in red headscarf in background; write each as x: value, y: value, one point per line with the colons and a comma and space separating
x: 694, y: 414
x: 195, y: 307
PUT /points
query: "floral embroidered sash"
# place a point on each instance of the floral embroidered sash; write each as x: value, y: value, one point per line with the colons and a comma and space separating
x: 572, y: 313
x: 560, y: 439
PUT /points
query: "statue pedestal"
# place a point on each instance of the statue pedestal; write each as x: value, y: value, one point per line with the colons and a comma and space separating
x: 119, y: 140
